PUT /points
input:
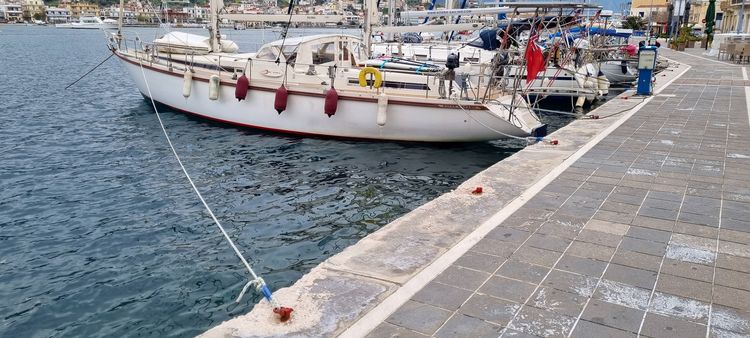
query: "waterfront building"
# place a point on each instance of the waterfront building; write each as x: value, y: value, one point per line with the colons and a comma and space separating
x: 733, y: 10
x: 11, y: 13
x: 78, y: 9
x: 33, y: 10
x: 655, y: 12
x: 57, y: 15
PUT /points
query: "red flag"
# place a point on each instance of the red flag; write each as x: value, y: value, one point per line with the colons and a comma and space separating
x: 534, y: 59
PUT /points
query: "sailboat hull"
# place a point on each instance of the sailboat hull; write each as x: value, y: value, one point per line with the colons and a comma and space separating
x: 356, y: 116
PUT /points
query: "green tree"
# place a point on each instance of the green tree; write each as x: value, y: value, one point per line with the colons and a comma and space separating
x: 634, y: 23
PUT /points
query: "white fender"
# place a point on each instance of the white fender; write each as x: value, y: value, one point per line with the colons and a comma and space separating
x: 213, y: 87
x: 187, y: 83
x: 580, y: 101
x: 603, y: 83
x: 382, y: 109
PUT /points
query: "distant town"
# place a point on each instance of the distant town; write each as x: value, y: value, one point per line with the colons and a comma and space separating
x: 661, y: 17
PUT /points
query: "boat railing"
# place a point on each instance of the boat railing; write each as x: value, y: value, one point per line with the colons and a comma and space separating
x: 478, y: 88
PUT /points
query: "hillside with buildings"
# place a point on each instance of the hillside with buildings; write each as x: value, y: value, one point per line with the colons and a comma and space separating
x: 660, y: 16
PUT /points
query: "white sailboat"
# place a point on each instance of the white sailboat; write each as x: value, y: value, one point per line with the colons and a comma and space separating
x: 319, y: 85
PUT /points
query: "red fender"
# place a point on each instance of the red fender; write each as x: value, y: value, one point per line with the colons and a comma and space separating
x: 332, y: 102
x: 281, y: 97
x: 240, y: 92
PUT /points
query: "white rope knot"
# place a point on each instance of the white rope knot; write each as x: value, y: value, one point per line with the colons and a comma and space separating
x: 258, y: 283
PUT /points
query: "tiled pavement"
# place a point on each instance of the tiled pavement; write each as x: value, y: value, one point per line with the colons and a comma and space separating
x: 648, y: 234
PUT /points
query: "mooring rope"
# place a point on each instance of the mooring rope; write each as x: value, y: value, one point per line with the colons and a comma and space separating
x: 258, y: 282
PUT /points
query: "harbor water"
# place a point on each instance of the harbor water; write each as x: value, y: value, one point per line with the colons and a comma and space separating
x: 100, y: 233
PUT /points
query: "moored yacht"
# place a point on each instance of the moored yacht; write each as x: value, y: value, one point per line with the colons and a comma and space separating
x: 89, y: 22
x: 321, y: 85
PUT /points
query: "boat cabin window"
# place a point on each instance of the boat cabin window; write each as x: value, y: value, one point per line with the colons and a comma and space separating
x: 290, y: 53
x: 268, y: 53
x: 323, y: 53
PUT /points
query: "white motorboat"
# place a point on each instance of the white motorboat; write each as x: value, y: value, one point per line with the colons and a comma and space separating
x: 89, y: 22
x: 319, y: 85
x: 619, y: 71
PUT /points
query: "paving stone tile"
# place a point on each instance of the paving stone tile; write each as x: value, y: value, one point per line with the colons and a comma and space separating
x: 571, y: 283
x: 643, y: 246
x: 586, y: 329
x: 669, y: 215
x: 600, y: 238
x: 684, y: 287
x: 696, y: 230
x: 637, y: 260
x: 548, y: 242
x: 687, y: 254
x: 542, y: 323
x: 441, y: 295
x: 622, y: 294
x: 626, y: 198
x: 612, y: 216
x: 491, y: 309
x: 700, y: 219
x: 518, y: 334
x: 557, y: 301
x: 464, y: 326
x: 613, y: 315
x: 628, y: 275
x: 386, y: 330
x: 504, y: 234
x: 649, y: 234
x: 735, y: 236
x: 536, y: 256
x: 653, y: 223
x: 656, y: 325
x: 736, y: 225
x: 494, y: 247
x: 731, y: 320
x: 607, y: 227
x: 555, y: 228
x: 523, y: 271
x: 509, y: 289
x: 732, y: 262
x: 462, y: 277
x: 734, y: 279
x: 419, y: 317
x: 625, y: 208
x: 687, y: 270
x: 695, y: 242
x: 479, y: 261
x: 589, y: 250
x: 584, y: 266
x: 731, y: 297
x: 681, y: 307
x: 736, y: 249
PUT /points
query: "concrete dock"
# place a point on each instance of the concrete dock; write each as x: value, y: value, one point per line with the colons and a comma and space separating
x: 636, y: 224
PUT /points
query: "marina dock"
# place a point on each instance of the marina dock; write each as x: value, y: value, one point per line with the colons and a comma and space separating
x: 636, y: 224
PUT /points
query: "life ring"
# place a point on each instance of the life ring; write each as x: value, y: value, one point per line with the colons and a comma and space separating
x: 376, y: 75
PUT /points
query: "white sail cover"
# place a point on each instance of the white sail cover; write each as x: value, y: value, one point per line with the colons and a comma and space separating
x: 186, y: 43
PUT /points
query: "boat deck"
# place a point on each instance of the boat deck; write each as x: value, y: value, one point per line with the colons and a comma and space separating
x: 636, y: 224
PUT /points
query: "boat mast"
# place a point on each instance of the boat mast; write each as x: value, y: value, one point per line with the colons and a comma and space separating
x: 371, y: 15
x: 214, y: 7
x: 119, y: 22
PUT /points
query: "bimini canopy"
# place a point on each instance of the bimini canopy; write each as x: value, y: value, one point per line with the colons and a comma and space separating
x: 186, y: 43
x: 489, y: 39
x: 575, y: 32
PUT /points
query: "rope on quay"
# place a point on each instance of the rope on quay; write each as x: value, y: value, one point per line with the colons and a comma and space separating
x: 258, y: 283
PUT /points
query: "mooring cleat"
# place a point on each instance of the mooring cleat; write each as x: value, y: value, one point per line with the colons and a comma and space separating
x: 285, y: 313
